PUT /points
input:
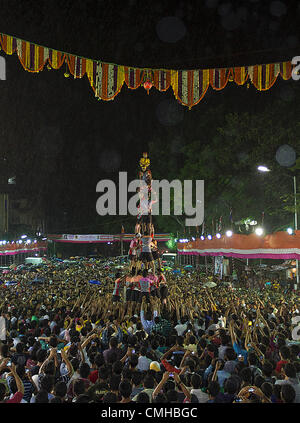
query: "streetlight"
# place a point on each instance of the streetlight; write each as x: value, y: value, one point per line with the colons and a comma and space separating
x: 263, y: 169
x: 259, y: 231
x: 266, y: 169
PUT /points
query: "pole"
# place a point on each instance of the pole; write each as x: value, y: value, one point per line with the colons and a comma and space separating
x: 296, y: 228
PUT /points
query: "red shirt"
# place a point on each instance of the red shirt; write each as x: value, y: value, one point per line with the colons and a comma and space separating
x: 117, y: 287
x: 93, y: 376
x: 18, y: 396
x: 169, y: 368
x: 133, y: 245
x: 279, y: 365
x: 161, y: 279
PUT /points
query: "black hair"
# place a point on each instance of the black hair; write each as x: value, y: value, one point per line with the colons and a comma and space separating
x: 213, y: 388
x: 53, y: 341
x: 113, y: 342
x: 143, y: 398
x: 160, y: 398
x: 109, y: 398
x: 83, y: 398
x: 231, y: 386
x: 79, y: 387
x: 103, y: 372
x: 290, y: 370
x: 47, y: 382
x: 125, y: 388
x: 267, y: 368
x: 137, y: 378
x: 172, y: 396
x: 42, y: 397
x: 149, y: 382
x: 75, y: 363
x: 114, y: 382
x: 288, y: 393
x: 117, y: 367
x: 258, y: 380
x: 196, y: 381
x: 230, y: 354
x: 60, y: 389
x: 285, y: 352
x: 267, y: 389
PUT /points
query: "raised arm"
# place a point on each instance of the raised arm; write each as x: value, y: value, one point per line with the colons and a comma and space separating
x: 49, y: 358
x: 159, y: 387
x: 182, y: 386
x: 19, y: 383
x: 67, y: 362
x: 232, y: 333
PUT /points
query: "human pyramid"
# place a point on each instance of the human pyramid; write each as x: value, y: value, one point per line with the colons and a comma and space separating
x: 146, y: 277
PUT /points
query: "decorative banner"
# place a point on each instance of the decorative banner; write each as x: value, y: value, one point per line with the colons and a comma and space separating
x: 107, y: 79
x: 279, y: 245
x: 102, y: 238
x: 11, y: 249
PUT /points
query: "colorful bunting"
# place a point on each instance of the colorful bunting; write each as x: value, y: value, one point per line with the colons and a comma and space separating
x: 107, y: 79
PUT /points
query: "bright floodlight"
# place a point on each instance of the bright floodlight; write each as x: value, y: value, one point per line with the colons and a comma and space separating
x: 209, y: 236
x: 290, y: 231
x: 24, y: 236
x: 263, y: 169
x: 218, y: 236
x: 229, y: 233
x: 202, y: 237
x: 259, y: 231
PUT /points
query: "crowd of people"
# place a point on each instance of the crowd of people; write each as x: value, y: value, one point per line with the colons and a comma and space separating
x: 145, y: 336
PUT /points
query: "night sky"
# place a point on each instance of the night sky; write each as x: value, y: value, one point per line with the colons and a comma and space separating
x: 60, y: 141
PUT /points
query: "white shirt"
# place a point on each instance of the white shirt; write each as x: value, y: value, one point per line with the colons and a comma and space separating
x: 75, y: 376
x: 2, y: 328
x: 13, y: 320
x: 214, y: 327
x: 16, y: 341
x: 202, y: 396
x: 144, y: 363
x: 180, y: 328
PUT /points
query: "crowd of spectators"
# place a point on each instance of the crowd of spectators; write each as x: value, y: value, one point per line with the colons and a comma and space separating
x: 65, y: 340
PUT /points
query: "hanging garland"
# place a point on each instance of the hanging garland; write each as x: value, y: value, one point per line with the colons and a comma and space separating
x: 107, y: 79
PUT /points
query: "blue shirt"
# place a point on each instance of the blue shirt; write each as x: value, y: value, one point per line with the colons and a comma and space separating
x: 240, y: 351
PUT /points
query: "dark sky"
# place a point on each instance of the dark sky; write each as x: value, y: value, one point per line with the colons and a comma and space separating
x: 60, y: 141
